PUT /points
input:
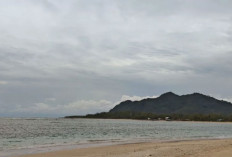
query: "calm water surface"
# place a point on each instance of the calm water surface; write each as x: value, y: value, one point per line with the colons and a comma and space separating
x: 19, y: 134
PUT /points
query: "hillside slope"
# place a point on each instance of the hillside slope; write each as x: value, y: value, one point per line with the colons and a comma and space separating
x: 170, y: 103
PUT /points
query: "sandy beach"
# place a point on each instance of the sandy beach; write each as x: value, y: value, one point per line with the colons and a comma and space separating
x: 196, y: 148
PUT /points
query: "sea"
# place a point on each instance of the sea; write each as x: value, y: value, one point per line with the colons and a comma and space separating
x: 20, y: 136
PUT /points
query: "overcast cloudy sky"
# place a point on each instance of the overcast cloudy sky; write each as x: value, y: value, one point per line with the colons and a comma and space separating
x: 65, y: 57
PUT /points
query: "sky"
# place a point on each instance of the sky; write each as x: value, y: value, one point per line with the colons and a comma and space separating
x: 75, y: 57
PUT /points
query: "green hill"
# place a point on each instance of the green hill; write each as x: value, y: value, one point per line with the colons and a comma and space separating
x: 170, y: 103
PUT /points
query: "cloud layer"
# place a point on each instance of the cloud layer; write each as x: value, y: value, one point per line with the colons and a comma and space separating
x: 54, y: 53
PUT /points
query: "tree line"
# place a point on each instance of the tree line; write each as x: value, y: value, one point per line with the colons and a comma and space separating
x: 151, y: 116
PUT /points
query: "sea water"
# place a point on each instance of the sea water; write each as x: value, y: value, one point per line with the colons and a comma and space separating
x: 19, y: 136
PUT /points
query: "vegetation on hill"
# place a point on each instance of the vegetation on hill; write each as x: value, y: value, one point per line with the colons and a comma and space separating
x: 192, y: 107
x: 151, y: 116
x: 170, y: 103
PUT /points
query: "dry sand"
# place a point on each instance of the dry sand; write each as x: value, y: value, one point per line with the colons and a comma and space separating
x: 197, y: 148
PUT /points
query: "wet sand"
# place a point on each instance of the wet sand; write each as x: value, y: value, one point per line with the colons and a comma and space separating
x: 196, y: 148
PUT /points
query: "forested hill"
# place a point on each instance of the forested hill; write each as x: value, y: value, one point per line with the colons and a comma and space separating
x: 170, y: 103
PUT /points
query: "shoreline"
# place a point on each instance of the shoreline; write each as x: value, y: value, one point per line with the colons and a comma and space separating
x: 152, y: 120
x: 123, y: 119
x: 117, y: 149
x: 189, y: 134
x: 206, y: 148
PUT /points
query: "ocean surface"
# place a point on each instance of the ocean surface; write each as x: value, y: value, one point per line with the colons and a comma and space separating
x: 20, y: 136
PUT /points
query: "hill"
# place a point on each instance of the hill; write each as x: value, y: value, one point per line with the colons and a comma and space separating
x: 193, y: 107
x: 170, y: 103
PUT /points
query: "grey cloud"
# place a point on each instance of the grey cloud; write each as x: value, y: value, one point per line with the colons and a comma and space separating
x: 102, y: 49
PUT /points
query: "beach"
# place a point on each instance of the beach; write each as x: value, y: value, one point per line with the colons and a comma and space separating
x: 109, y: 137
x: 197, y: 148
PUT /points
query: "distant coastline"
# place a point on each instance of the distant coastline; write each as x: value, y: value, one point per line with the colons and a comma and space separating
x: 155, y: 117
x: 170, y: 106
